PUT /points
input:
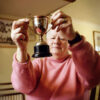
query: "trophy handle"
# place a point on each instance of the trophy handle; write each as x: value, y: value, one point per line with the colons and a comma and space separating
x: 41, y: 49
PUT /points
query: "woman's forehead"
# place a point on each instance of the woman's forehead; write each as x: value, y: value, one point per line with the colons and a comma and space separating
x: 55, y: 33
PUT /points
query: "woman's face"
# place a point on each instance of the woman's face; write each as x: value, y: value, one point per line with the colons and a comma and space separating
x: 58, y: 43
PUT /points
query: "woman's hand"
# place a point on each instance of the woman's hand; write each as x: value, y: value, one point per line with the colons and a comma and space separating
x: 63, y: 23
x: 19, y: 33
x: 20, y: 37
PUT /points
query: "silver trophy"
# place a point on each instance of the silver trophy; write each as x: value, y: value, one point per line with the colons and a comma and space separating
x: 40, y: 25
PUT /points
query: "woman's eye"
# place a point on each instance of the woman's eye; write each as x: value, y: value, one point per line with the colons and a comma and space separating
x: 62, y: 39
x: 52, y: 38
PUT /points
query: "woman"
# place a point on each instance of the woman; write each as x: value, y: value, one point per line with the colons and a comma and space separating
x: 62, y: 76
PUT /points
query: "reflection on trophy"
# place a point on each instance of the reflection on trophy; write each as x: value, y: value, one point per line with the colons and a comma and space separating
x: 41, y: 49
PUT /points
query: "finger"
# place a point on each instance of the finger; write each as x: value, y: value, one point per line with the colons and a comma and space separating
x: 58, y: 15
x: 55, y: 13
x: 60, y: 21
x: 14, y: 32
x: 17, y: 30
x: 65, y: 25
x: 20, y: 22
x: 24, y: 29
x: 20, y: 37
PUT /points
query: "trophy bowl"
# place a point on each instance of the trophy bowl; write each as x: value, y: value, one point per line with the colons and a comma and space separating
x: 40, y: 25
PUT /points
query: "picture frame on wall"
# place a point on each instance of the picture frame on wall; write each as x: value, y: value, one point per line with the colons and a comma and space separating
x: 96, y: 40
x: 5, y: 32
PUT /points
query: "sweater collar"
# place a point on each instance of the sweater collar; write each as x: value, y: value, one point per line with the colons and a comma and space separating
x: 58, y: 60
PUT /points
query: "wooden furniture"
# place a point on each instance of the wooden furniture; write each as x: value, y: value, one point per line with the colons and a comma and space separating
x: 7, y: 92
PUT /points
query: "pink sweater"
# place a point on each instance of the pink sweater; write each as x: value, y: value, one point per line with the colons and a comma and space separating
x: 66, y: 79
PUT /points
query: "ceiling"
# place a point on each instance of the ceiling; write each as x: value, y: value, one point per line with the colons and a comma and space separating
x: 88, y: 10
x: 24, y: 8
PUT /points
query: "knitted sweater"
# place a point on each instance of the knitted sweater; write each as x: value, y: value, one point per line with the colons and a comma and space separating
x: 67, y: 79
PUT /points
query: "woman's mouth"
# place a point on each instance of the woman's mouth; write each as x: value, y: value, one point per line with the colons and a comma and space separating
x: 57, y: 47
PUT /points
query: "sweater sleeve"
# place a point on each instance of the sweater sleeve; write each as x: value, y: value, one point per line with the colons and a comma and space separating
x: 87, y: 62
x: 24, y: 76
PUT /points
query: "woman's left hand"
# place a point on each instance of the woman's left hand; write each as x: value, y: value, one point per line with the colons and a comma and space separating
x: 63, y: 23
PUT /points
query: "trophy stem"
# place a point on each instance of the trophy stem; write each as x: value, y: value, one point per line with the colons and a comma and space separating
x: 40, y: 39
x: 41, y: 49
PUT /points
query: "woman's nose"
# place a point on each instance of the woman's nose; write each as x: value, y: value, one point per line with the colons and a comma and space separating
x: 57, y: 40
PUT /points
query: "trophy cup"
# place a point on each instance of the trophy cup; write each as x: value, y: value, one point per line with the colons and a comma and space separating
x: 41, y: 49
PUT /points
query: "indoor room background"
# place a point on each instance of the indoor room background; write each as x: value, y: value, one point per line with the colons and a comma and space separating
x: 85, y: 17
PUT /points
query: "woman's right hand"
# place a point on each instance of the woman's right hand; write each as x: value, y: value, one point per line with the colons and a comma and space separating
x: 20, y: 37
x: 19, y: 33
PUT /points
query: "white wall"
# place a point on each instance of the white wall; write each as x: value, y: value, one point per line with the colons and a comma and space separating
x: 86, y: 28
x: 5, y: 63
x: 6, y: 56
x: 83, y: 17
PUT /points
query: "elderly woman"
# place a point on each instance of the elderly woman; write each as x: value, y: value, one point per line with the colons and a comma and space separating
x: 61, y: 76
